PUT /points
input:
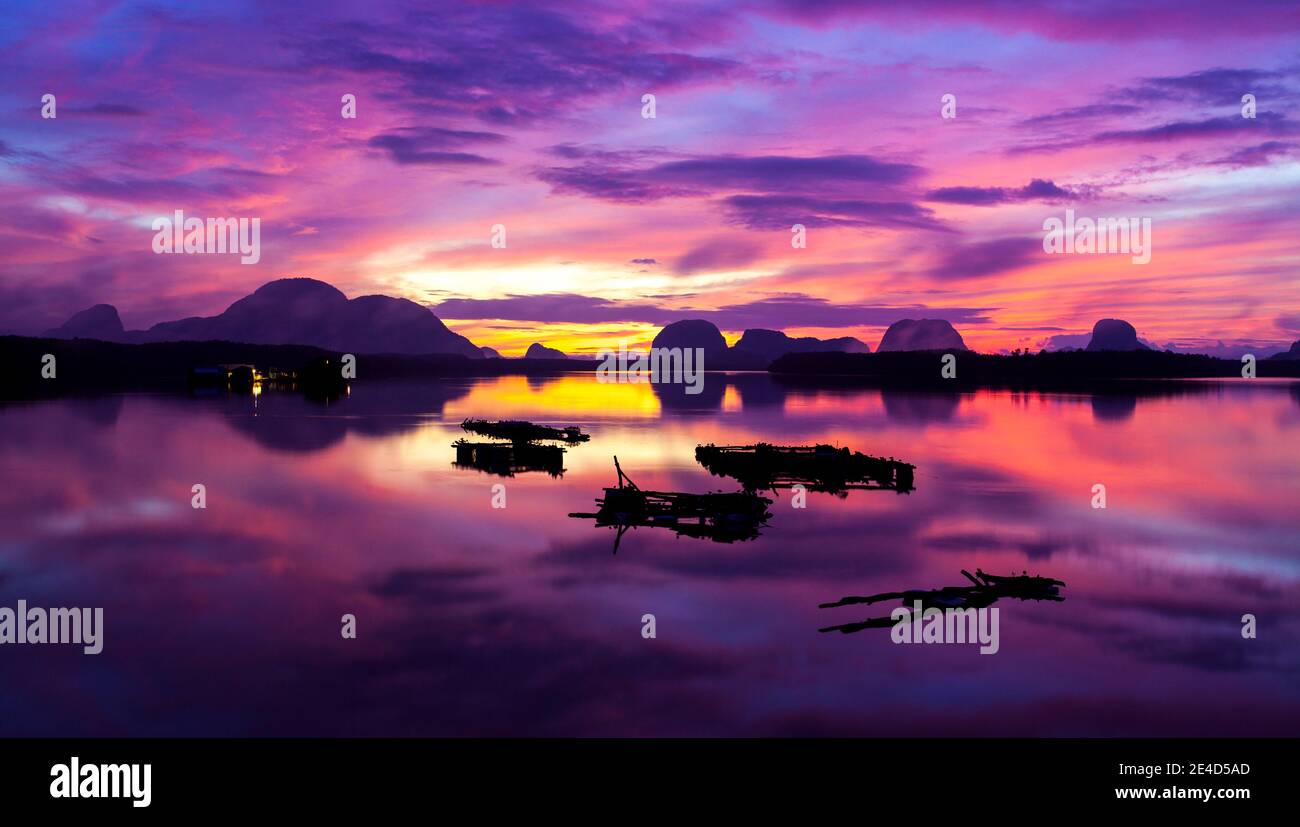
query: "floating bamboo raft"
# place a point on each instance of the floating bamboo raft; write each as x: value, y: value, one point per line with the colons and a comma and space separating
x: 819, y: 467
x: 520, y: 431
x: 506, y: 459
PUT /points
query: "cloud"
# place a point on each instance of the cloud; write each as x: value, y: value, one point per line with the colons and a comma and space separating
x: 103, y: 110
x: 259, y: 129
x: 441, y: 586
x: 1269, y: 123
x: 507, y: 65
x: 1258, y: 155
x: 1226, y: 126
x: 760, y: 192
x: 986, y: 258
x: 816, y: 179
x: 1067, y: 341
x: 199, y: 188
x: 1035, y: 190
x: 782, y: 173
x: 39, y: 223
x: 558, y: 308
x: 178, y: 175
x: 1082, y: 113
x: 719, y: 254
x: 770, y: 212
x: 611, y: 157
x: 1037, y: 547
x: 608, y: 184
x: 28, y: 309
x: 1102, y: 20
x: 1215, y: 87
x: 1288, y: 323
x: 778, y: 311
x: 798, y: 310
x: 430, y: 146
x: 649, y: 262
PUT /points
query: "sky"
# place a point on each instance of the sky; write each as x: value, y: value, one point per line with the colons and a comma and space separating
x: 767, y: 114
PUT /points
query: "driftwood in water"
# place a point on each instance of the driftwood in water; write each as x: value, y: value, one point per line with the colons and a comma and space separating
x: 722, y: 517
x: 986, y: 589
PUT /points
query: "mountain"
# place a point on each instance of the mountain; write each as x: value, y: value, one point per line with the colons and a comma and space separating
x: 297, y: 311
x: 540, y: 351
x: 693, y: 333
x: 98, y: 322
x: 755, y: 350
x: 489, y: 353
x: 772, y: 344
x: 1293, y: 353
x: 1114, y: 334
x: 920, y: 334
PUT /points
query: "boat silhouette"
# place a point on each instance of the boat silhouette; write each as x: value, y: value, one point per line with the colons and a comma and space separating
x: 986, y: 590
x: 723, y: 517
x: 824, y: 468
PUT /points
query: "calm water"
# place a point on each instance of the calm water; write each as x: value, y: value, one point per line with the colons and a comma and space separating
x: 520, y: 621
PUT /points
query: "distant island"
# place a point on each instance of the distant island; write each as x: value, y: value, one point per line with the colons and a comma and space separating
x: 294, y: 311
x: 1065, y: 370
x: 537, y: 350
x: 288, y: 325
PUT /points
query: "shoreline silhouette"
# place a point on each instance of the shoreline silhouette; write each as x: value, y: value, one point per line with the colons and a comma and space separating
x: 87, y: 365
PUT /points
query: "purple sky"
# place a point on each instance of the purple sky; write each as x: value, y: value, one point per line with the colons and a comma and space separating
x: 768, y: 114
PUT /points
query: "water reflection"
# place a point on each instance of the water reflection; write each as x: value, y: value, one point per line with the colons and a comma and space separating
x: 920, y: 407
x: 723, y: 517
x: 475, y: 620
x: 1113, y: 407
x: 984, y: 590
x: 682, y: 398
x: 506, y: 459
x: 821, y: 468
x: 297, y: 422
